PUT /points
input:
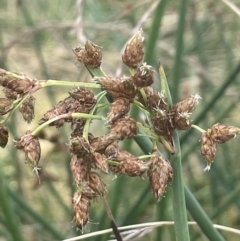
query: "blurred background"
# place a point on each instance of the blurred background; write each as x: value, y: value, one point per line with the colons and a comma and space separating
x: 198, y: 44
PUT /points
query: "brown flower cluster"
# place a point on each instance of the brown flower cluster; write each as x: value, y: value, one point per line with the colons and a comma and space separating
x: 217, y: 134
x: 15, y: 88
x: 92, y: 155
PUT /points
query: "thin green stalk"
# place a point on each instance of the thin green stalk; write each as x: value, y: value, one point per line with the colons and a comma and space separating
x: 178, y: 197
x: 50, y: 82
x: 177, y: 69
x: 12, y: 219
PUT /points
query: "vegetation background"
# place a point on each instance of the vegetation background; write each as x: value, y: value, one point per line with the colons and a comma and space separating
x: 197, y: 42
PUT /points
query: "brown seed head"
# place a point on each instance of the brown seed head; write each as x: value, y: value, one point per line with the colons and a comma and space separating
x: 30, y: 145
x: 10, y: 94
x: 5, y: 106
x: 84, y: 96
x: 133, y: 53
x: 221, y: 133
x: 125, y: 127
x: 118, y: 87
x: 160, y: 174
x: 187, y: 105
x: 208, y: 148
x: 162, y: 124
x: 80, y: 169
x: 3, y: 136
x: 90, y: 56
x: 81, y: 205
x: 118, y: 109
x: 143, y: 76
x: 128, y: 164
x: 182, y: 121
x: 27, y: 109
x: 19, y: 85
x: 68, y: 105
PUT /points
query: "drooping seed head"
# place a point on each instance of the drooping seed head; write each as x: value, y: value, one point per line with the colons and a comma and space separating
x: 30, y: 145
x: 27, y: 109
x: 81, y: 205
x: 160, y: 174
x: 208, y: 148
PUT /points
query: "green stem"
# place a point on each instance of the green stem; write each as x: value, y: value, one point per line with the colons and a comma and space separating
x: 88, y: 122
x: 15, y: 108
x: 178, y: 197
x: 65, y: 116
x: 198, y: 128
x: 46, y: 83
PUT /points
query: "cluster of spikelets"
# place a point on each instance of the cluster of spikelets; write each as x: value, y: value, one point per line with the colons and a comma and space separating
x: 91, y: 154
